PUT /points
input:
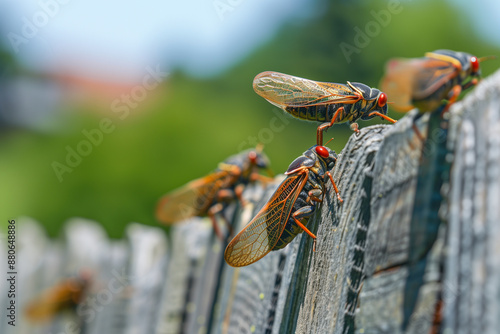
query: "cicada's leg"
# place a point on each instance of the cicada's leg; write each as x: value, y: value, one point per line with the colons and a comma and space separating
x: 471, y: 83
x: 326, y: 126
x: 238, y: 192
x: 452, y: 97
x: 227, y: 195
x: 262, y: 178
x: 314, y: 195
x: 211, y: 214
x: 354, y: 127
x: 387, y: 118
x: 417, y: 132
x: 335, y: 187
x: 303, y: 212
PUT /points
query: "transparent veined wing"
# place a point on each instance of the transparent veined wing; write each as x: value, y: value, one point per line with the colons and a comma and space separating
x: 406, y: 80
x: 191, y: 200
x: 285, y: 90
x: 262, y: 233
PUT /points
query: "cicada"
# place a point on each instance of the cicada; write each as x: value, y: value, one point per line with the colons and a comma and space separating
x: 324, y: 102
x: 65, y: 295
x: 288, y: 210
x: 425, y: 82
x: 210, y: 195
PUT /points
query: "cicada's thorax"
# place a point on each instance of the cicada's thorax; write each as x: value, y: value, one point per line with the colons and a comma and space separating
x: 316, y: 179
x: 239, y: 170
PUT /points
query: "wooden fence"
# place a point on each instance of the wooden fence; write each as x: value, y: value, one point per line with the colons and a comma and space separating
x: 414, y: 248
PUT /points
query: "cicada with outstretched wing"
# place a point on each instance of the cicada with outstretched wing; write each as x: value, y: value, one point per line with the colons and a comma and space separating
x: 65, y: 295
x: 287, y: 212
x: 209, y: 195
x: 323, y: 102
x: 425, y: 82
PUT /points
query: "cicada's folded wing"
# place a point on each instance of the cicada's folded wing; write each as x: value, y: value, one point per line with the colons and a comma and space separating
x: 191, y: 200
x: 261, y: 235
x: 406, y: 80
x: 435, y: 71
x: 284, y: 90
x: 398, y: 82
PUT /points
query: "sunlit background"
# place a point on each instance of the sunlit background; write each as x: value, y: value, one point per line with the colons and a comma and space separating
x: 106, y: 106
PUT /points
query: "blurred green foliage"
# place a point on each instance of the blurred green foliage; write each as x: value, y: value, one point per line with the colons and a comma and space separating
x: 198, y: 123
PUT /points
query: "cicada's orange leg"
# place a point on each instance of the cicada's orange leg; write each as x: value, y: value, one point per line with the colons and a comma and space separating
x: 262, y: 178
x: 387, y: 118
x: 453, y: 96
x: 355, y: 127
x: 335, y: 187
x: 326, y: 126
x: 211, y: 214
x: 238, y: 192
x: 314, y: 195
x: 303, y: 212
x: 417, y: 132
x: 217, y: 208
x: 471, y: 83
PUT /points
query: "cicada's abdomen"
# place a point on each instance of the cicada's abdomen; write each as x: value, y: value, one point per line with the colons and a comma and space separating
x: 314, y: 179
x: 291, y: 229
x: 320, y: 113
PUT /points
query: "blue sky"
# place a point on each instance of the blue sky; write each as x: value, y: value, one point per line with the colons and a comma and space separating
x: 202, y: 36
x: 117, y: 39
x: 485, y: 15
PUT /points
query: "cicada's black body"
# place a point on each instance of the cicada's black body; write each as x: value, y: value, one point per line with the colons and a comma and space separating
x: 324, y: 102
x: 315, y: 181
x: 425, y: 82
x: 351, y: 113
x: 288, y: 211
x: 211, y: 194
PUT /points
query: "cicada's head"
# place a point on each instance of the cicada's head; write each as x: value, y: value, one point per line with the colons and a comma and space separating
x: 326, y: 154
x: 259, y: 159
x: 249, y: 161
x: 374, y: 101
x: 470, y: 69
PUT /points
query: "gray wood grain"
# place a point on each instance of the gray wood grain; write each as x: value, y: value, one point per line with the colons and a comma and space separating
x: 87, y: 247
x: 148, y: 264
x: 189, y: 244
x: 472, y: 267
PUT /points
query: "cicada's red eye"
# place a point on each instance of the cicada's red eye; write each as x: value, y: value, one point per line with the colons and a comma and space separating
x: 322, y: 151
x: 474, y: 63
x: 252, y: 156
x: 382, y: 100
